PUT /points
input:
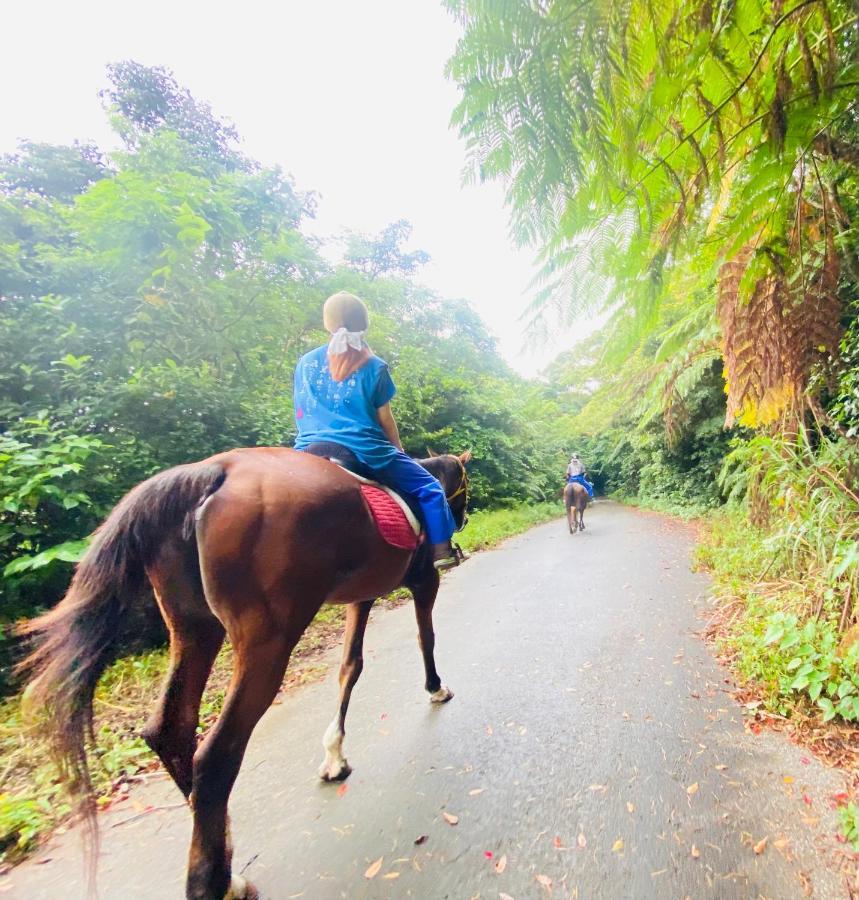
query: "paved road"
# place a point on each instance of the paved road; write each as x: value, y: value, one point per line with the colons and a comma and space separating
x: 592, y: 750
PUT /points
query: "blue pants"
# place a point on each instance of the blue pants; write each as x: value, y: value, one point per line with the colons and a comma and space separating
x: 580, y: 479
x: 406, y: 477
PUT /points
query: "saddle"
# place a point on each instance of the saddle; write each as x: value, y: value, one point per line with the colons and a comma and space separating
x: 397, y: 519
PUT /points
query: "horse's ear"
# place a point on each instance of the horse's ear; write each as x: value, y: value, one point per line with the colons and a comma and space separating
x: 466, y: 457
x: 431, y: 453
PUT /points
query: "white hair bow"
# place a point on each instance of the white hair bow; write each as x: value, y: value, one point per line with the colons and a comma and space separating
x: 342, y: 340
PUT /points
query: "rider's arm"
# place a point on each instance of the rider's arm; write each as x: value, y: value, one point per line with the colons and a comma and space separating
x: 389, y: 425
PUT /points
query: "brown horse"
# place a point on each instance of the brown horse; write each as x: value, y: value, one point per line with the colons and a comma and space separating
x: 575, y: 503
x: 250, y: 544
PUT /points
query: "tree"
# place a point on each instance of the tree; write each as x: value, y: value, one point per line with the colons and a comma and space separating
x: 653, y: 151
x: 384, y: 255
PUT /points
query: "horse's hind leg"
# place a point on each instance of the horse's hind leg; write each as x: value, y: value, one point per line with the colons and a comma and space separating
x: 261, y: 654
x: 334, y: 766
x: 424, y: 595
x: 195, y: 638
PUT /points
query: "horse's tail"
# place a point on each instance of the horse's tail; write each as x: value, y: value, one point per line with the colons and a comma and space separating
x: 76, y: 640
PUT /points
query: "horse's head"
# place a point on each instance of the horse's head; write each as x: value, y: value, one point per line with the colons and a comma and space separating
x: 450, y: 471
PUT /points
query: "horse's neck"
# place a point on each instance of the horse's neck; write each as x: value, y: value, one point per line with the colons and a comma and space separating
x: 435, y: 465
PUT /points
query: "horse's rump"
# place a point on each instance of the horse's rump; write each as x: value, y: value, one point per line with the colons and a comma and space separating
x: 290, y: 521
x: 575, y: 495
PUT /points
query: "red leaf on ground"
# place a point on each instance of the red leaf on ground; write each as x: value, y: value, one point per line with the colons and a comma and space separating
x: 342, y: 789
x: 487, y: 854
x: 545, y: 881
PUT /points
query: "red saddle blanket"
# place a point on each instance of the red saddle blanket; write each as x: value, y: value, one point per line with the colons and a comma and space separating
x: 390, y: 519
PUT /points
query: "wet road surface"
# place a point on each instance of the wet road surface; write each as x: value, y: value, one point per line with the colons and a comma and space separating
x: 592, y: 750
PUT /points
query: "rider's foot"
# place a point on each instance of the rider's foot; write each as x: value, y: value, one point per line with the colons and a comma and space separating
x: 444, y: 556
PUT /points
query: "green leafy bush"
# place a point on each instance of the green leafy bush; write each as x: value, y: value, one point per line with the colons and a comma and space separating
x: 849, y: 816
x: 807, y: 659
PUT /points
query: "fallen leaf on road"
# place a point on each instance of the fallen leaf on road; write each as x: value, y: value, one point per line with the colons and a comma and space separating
x: 806, y: 799
x: 582, y: 841
x: 487, y: 854
x: 692, y: 789
x: 557, y: 843
x: 696, y: 853
x: 788, y: 779
x: 373, y: 868
x: 617, y: 846
x: 342, y: 789
x: 501, y: 865
x: 450, y: 818
x: 721, y: 767
x: 598, y: 787
x: 630, y: 807
x: 476, y: 791
x: 805, y: 760
x: 760, y: 846
x: 489, y: 730
x: 421, y: 839
x: 781, y: 843
x: 545, y: 881
x: 391, y: 875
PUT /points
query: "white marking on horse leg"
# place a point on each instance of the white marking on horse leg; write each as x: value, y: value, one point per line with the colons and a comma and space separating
x: 442, y: 695
x: 334, y: 767
x: 238, y: 888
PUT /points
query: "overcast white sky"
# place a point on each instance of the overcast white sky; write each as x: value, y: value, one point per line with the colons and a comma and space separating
x: 350, y: 97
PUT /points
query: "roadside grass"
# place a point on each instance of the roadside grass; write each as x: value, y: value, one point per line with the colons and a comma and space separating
x: 780, y: 628
x: 781, y: 631
x: 32, y: 802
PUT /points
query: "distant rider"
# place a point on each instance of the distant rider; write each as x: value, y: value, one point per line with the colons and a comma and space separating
x: 576, y: 473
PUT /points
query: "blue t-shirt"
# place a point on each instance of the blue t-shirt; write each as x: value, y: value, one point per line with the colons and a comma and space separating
x: 343, y: 411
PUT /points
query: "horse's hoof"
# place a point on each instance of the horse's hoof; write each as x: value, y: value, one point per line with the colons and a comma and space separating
x: 241, y: 889
x: 442, y: 695
x: 335, y: 772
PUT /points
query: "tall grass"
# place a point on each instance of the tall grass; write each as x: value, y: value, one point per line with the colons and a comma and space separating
x: 803, y: 492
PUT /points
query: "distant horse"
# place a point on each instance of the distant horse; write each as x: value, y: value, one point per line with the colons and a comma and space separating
x: 575, y: 502
x: 250, y: 544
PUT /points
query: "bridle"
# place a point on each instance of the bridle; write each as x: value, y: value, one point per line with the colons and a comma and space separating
x: 461, y: 489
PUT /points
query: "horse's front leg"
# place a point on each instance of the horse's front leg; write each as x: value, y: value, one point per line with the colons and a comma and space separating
x: 424, y: 595
x: 334, y: 767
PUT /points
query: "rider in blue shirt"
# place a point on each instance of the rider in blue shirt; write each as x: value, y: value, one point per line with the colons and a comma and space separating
x: 576, y: 472
x: 342, y: 395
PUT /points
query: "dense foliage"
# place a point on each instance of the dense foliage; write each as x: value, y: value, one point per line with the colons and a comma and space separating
x: 153, y: 303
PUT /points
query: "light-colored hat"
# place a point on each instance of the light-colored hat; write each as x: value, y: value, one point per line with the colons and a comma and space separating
x: 345, y: 310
